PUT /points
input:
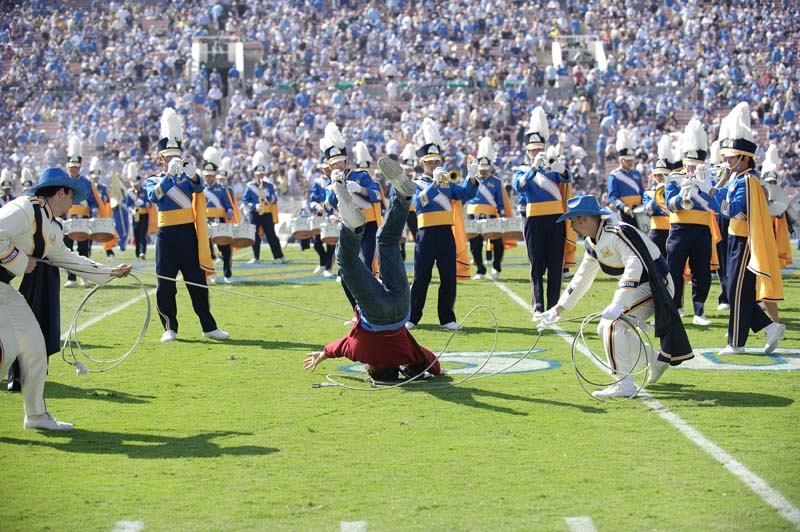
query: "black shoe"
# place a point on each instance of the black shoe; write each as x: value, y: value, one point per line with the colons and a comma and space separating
x: 14, y: 386
x: 110, y: 254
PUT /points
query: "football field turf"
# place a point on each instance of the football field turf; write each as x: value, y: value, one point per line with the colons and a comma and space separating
x: 205, y: 435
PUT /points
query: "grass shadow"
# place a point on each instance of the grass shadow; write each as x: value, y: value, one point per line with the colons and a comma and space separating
x: 264, y: 344
x: 65, y: 391
x: 142, y: 446
x: 687, y: 392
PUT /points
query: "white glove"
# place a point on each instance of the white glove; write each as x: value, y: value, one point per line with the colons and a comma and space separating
x: 140, y: 203
x: 189, y: 169
x: 705, y: 185
x: 549, y: 317
x: 175, y: 167
x: 539, y: 160
x: 337, y: 176
x: 472, y: 168
x: 352, y: 186
x: 558, y: 167
x: 612, y: 311
x: 439, y: 174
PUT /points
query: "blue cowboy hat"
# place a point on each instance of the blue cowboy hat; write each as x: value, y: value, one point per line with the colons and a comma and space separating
x: 56, y: 177
x: 583, y: 206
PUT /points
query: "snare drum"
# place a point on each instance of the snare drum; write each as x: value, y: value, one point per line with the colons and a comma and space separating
x: 513, y: 228
x: 471, y: 227
x: 491, y: 228
x: 102, y: 229
x: 78, y: 229
x: 302, y: 228
x: 243, y: 235
x: 329, y: 232
x: 316, y: 225
x: 221, y: 234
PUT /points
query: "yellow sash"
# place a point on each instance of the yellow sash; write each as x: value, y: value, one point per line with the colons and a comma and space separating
x: 232, y: 198
x: 570, y: 244
x: 763, y: 261
x: 460, y: 235
x: 201, y: 228
x: 781, y: 228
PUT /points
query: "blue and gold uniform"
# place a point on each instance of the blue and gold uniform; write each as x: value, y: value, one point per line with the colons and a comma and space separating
x: 317, y: 205
x: 435, y: 243
x: 487, y: 203
x: 625, y: 189
x: 138, y: 204
x: 87, y: 208
x: 369, y: 201
x: 262, y: 203
x: 544, y: 193
x: 219, y: 209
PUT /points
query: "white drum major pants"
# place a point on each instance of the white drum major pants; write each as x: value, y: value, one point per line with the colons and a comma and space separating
x: 621, y: 344
x: 21, y: 339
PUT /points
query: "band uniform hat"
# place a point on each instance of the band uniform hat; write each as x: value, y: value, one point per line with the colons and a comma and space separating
x: 583, y: 206
x: 538, y: 129
x: 735, y: 134
x: 56, y: 177
x: 333, y: 144
x: 171, y: 134
x: 432, y: 149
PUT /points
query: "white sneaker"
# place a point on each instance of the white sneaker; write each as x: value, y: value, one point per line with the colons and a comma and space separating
x: 774, y: 333
x: 253, y: 261
x: 216, y: 334
x: 623, y: 388
x: 701, y: 320
x: 394, y: 173
x: 495, y: 275
x: 339, y: 279
x: 411, y: 326
x: 217, y: 260
x: 212, y: 279
x: 70, y: 284
x: 227, y: 280
x: 477, y: 277
x: 730, y: 350
x: 352, y: 217
x: 537, y: 316
x: 451, y: 326
x: 45, y: 422
x: 681, y: 312
x: 567, y: 274
x: 282, y: 260
x: 82, y: 281
x: 657, y: 369
x: 723, y: 306
x: 327, y: 273
x: 169, y: 336
x: 318, y: 270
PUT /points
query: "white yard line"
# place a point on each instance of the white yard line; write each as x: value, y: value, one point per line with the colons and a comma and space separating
x: 353, y: 526
x: 580, y: 524
x: 757, y: 485
x: 110, y: 312
x: 128, y: 526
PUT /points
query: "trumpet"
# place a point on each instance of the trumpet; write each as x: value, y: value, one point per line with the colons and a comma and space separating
x: 454, y: 175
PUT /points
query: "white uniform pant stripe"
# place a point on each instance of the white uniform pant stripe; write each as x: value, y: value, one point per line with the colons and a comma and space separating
x: 22, y: 340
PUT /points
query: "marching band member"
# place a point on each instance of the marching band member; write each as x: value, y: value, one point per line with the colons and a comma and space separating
x: 487, y: 203
x: 778, y: 202
x: 625, y: 182
x: 6, y: 182
x: 103, y: 200
x: 753, y: 266
x: 218, y: 208
x: 138, y: 204
x: 377, y: 337
x: 656, y: 207
x: 30, y: 230
x: 692, y: 202
x: 435, y: 200
x: 222, y: 178
x: 317, y: 206
x: 86, y: 208
x: 182, y: 238
x: 262, y: 202
x: 408, y: 163
x: 722, y: 224
x: 365, y: 192
x: 544, y: 190
x: 645, y: 288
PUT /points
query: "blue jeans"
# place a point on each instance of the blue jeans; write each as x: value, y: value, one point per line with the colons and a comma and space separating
x: 386, y: 301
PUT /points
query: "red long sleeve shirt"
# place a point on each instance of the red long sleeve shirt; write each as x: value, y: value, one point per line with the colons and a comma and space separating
x: 381, y: 349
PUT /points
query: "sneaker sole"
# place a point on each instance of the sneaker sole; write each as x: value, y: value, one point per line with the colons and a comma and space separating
x: 396, y: 176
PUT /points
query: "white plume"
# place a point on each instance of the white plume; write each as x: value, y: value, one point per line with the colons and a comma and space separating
x: 694, y: 137
x: 94, y: 164
x: 211, y: 155
x: 538, y: 122
x: 171, y: 127
x: 361, y: 153
x: 430, y: 132
x: 259, y: 159
x: 27, y: 174
x: 737, y: 124
x: 409, y: 153
x: 74, y: 147
x: 665, y: 148
x: 132, y: 171
x: 770, y: 163
x: 625, y: 140
x: 225, y: 165
x: 333, y: 137
x: 486, y: 149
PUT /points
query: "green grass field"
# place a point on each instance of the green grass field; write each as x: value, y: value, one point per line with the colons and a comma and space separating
x: 204, y: 435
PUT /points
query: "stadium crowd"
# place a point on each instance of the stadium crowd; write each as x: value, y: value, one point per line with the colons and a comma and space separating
x: 106, y: 70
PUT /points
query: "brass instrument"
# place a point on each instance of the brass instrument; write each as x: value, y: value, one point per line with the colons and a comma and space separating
x: 454, y: 175
x: 262, y: 202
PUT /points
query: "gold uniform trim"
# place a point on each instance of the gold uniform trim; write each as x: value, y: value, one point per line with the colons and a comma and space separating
x: 544, y: 208
x: 738, y: 227
x: 481, y: 208
x: 78, y: 210
x: 632, y: 201
x: 690, y: 217
x: 659, y: 222
x: 175, y: 217
x: 430, y: 219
